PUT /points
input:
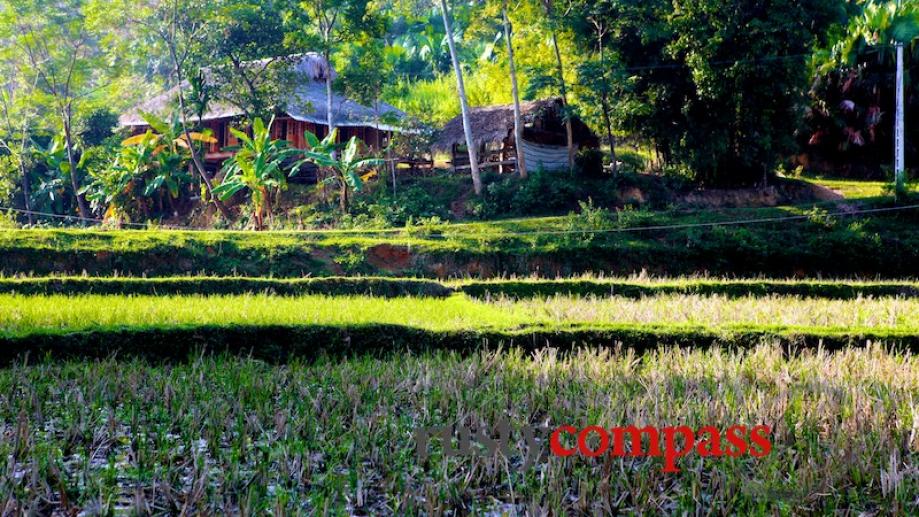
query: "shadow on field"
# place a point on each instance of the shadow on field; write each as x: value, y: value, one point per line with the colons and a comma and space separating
x: 278, y: 344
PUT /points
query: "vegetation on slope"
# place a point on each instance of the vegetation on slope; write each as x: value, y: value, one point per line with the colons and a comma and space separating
x: 813, y: 241
x: 634, y: 287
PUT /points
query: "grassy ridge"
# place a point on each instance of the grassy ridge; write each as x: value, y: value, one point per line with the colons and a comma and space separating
x: 331, y: 286
x: 211, y: 435
x: 280, y: 344
x: 877, y: 245
x: 511, y: 288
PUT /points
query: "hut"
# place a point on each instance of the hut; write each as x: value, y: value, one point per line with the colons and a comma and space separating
x: 545, y: 140
x: 305, y: 109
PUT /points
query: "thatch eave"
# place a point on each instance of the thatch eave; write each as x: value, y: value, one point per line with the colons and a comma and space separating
x: 493, y: 125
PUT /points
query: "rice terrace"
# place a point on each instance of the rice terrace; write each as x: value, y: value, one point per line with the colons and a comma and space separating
x: 500, y: 258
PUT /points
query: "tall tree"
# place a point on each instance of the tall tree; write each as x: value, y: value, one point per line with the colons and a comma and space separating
x: 60, y: 53
x: 464, y: 103
x: 719, y: 85
x: 549, y: 6
x: 17, y: 115
x: 249, y: 56
x: 179, y: 28
x: 591, y: 24
x: 329, y: 24
x: 515, y: 90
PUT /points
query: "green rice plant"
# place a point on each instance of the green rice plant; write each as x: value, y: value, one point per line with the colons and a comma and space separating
x: 279, y: 328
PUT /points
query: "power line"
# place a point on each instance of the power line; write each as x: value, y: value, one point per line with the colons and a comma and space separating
x: 85, y: 219
x: 409, y: 231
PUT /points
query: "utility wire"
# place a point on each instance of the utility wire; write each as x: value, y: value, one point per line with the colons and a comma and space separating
x: 85, y: 219
x: 661, y: 227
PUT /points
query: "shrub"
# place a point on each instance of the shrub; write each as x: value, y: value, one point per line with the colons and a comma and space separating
x: 631, y: 161
x: 589, y: 163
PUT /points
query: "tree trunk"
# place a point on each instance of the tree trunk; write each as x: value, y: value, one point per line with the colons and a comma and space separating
x: 392, y: 168
x: 26, y: 190
x: 464, y: 105
x: 199, y: 167
x: 343, y: 198
x: 72, y: 161
x: 614, y: 168
x: 604, y: 101
x: 569, y: 130
x: 330, y: 114
x: 518, y: 117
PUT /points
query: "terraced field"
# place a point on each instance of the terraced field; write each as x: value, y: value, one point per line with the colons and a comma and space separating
x: 259, y: 394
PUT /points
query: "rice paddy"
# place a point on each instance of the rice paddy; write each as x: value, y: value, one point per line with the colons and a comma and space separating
x: 22, y: 315
x: 301, y: 396
x: 235, y: 435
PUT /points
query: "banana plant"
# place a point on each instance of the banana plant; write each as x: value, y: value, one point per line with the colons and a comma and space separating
x: 346, y: 169
x: 51, y: 187
x: 112, y: 189
x: 256, y: 166
x: 171, y: 150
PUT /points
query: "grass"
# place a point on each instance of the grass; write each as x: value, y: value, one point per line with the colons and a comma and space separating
x: 854, y: 189
x: 283, y: 328
x: 532, y: 287
x: 23, y: 315
x: 818, y: 243
x: 231, y: 435
x: 861, y: 190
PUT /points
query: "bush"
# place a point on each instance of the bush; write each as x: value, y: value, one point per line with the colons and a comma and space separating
x: 589, y: 163
x: 631, y: 161
x: 542, y: 193
x: 381, y: 208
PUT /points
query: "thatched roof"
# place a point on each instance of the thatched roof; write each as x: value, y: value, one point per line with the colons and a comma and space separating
x: 306, y: 102
x: 494, y: 124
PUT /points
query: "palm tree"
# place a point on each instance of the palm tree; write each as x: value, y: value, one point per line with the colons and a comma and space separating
x: 464, y: 103
x: 518, y: 117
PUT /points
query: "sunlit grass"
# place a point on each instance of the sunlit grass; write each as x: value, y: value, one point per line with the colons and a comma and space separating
x: 22, y: 315
x: 855, y: 189
x: 723, y: 311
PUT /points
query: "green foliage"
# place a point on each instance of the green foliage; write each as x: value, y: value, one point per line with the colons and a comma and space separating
x: 589, y: 163
x: 9, y: 175
x: 849, y: 127
x: 631, y: 161
x: 700, y: 88
x: 883, y: 245
x: 435, y: 100
x: 256, y: 166
x: 143, y: 166
x: 582, y: 225
x: 239, y: 33
x: 98, y: 127
x: 346, y: 169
